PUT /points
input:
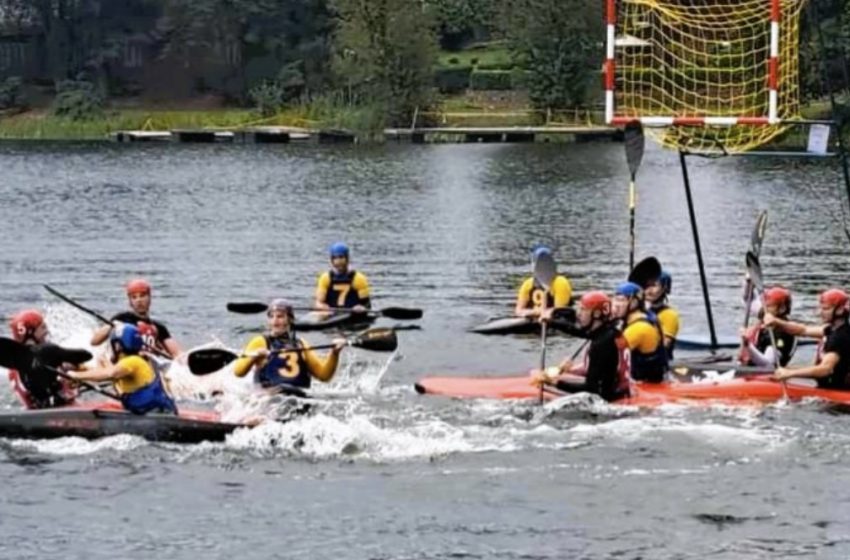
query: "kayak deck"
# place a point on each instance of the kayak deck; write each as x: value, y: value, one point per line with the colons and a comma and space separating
x: 102, y: 420
x: 318, y: 320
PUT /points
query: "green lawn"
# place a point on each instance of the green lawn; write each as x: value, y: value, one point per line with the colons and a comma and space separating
x: 490, y: 57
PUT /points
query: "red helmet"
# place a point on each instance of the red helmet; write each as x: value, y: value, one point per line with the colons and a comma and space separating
x: 834, y: 298
x: 596, y: 301
x: 25, y: 323
x: 138, y: 286
x: 778, y: 295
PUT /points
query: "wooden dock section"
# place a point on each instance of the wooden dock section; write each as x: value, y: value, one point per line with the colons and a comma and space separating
x: 252, y: 135
x: 510, y: 134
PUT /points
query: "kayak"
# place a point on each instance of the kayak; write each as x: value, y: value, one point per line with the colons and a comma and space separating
x: 108, y: 419
x: 703, y: 342
x: 564, y: 322
x: 745, y: 390
x: 320, y: 320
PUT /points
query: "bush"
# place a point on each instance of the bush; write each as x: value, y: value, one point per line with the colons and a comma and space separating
x: 452, y: 80
x: 78, y: 100
x: 490, y: 80
x: 453, y: 60
x: 10, y: 93
x: 268, y: 98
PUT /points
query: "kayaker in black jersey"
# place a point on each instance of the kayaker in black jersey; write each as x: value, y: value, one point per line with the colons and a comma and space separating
x: 273, y: 368
x: 604, y: 368
x: 757, y: 348
x: 832, y: 361
x: 36, y: 385
x: 156, y: 335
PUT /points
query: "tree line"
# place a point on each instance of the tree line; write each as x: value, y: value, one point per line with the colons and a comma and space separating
x: 380, y: 53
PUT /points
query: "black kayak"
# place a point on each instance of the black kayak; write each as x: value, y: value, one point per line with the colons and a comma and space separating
x: 103, y: 421
x: 703, y: 342
x: 317, y: 321
x: 564, y: 321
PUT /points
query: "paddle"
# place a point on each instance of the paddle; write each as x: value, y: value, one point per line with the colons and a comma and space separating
x: 99, y: 317
x: 634, y: 140
x: 754, y: 269
x: 401, y: 313
x: 545, y: 271
x: 209, y: 360
x: 645, y: 271
x: 756, y: 241
x: 14, y: 355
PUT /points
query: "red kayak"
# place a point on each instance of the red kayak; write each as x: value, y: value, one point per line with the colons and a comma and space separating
x: 739, y: 391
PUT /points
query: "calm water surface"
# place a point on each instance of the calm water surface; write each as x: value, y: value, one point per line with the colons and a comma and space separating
x: 377, y: 471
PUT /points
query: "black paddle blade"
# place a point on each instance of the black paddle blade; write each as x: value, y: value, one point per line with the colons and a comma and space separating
x: 376, y: 340
x: 754, y: 268
x: 545, y: 270
x: 14, y: 355
x: 401, y: 313
x: 646, y: 271
x: 249, y: 307
x: 634, y: 140
x: 54, y: 355
x: 209, y: 360
x: 758, y: 234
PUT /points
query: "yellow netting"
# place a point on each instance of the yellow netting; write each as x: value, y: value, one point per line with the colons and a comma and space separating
x: 705, y: 58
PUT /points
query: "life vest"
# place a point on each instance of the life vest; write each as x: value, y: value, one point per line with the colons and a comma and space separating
x: 340, y: 291
x: 759, y: 336
x: 150, y: 398
x: 839, y: 378
x: 622, y: 387
x: 651, y: 366
x: 289, y: 368
x: 657, y: 310
x: 540, y: 297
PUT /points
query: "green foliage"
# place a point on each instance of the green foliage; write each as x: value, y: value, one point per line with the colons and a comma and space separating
x: 267, y: 97
x: 387, y: 49
x: 452, y: 80
x: 10, y: 93
x: 490, y: 80
x: 556, y: 42
x: 77, y: 100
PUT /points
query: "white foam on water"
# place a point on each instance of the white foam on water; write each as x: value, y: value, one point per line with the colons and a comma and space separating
x: 69, y: 446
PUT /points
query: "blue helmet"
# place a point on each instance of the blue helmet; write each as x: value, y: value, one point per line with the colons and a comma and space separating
x: 128, y: 338
x: 338, y: 249
x: 666, y: 281
x: 540, y: 249
x: 628, y: 289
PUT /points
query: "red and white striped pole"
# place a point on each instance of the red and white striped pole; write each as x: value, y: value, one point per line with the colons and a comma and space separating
x: 611, y: 22
x: 773, y: 66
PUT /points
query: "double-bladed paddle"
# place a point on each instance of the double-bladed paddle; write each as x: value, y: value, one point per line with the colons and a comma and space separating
x: 545, y: 271
x: 634, y: 140
x: 18, y: 356
x: 756, y: 241
x: 754, y: 270
x: 400, y: 313
x: 208, y: 360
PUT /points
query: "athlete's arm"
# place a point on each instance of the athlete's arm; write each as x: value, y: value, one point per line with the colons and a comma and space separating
x: 255, y: 352
x: 562, y: 292
x: 523, y: 296
x: 823, y: 369
x: 791, y: 327
x: 323, y: 369
x: 323, y: 283
x: 360, y: 284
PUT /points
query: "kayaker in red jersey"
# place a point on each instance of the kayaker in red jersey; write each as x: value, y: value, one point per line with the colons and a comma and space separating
x: 604, y: 368
x: 832, y: 362
x: 757, y: 348
x: 36, y: 386
x: 155, y: 335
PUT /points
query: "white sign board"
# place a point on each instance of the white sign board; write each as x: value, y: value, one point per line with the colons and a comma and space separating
x: 818, y: 139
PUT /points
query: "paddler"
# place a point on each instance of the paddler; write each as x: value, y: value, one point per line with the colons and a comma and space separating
x: 656, y: 292
x: 756, y: 345
x: 832, y: 360
x: 642, y: 332
x: 273, y: 368
x: 36, y: 386
x: 534, y: 300
x: 342, y: 286
x: 604, y: 368
x: 135, y: 376
x: 154, y: 334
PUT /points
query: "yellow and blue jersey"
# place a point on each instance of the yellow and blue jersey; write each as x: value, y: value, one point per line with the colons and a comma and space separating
x: 343, y: 290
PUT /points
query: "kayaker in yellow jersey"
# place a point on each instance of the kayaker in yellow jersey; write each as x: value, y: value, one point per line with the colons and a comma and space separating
x: 135, y: 378
x: 642, y: 333
x: 832, y: 360
x: 534, y: 301
x: 656, y: 292
x: 273, y: 368
x: 342, y: 286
